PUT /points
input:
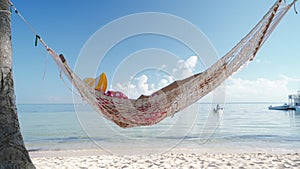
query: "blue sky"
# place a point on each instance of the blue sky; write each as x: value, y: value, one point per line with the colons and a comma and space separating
x: 66, y: 26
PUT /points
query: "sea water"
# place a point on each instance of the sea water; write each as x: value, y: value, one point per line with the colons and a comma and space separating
x: 244, y: 126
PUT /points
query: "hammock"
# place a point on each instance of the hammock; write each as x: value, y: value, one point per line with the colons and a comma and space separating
x: 149, y: 110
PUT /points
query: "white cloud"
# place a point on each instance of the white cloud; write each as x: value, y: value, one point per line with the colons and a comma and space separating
x: 136, y: 87
x: 236, y: 89
x: 163, y: 82
x: 166, y: 80
x: 127, y: 89
x: 191, y: 62
x: 259, y: 90
x: 185, y: 68
x: 163, y: 66
x: 140, y: 85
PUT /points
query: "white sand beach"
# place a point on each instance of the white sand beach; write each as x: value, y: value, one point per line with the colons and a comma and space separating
x: 81, y: 160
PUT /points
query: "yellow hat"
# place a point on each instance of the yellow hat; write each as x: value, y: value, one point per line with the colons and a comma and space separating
x: 101, y: 83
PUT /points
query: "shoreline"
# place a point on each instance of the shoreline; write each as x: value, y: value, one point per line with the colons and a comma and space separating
x: 146, y: 148
x: 145, y: 152
x: 95, y: 158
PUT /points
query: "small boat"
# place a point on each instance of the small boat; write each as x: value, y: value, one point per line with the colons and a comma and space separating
x: 294, y: 103
x: 283, y: 107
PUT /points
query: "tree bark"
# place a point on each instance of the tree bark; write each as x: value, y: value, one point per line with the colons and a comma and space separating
x: 13, y: 153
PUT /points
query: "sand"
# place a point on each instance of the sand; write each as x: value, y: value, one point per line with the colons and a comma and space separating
x: 89, y: 160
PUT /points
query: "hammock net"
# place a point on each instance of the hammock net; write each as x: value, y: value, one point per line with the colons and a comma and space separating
x: 150, y: 110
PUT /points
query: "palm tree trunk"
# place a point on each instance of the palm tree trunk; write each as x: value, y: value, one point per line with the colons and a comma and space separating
x: 13, y: 153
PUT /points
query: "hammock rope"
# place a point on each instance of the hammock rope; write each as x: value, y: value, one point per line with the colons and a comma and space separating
x: 295, y: 9
x: 149, y: 110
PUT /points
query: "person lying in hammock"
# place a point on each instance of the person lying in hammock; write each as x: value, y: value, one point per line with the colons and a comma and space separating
x: 171, y: 86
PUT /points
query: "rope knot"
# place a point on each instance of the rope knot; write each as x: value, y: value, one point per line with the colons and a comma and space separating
x: 37, y: 37
x: 62, y: 58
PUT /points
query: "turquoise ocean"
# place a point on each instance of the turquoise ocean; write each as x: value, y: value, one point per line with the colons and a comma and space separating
x: 242, y: 126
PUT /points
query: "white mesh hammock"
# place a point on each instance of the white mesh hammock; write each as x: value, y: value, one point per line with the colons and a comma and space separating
x: 150, y: 110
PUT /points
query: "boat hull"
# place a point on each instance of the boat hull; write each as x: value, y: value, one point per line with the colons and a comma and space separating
x: 284, y: 107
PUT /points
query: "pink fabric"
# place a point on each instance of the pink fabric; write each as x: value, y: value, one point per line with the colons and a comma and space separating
x: 116, y: 94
